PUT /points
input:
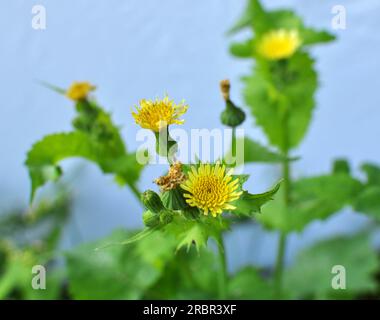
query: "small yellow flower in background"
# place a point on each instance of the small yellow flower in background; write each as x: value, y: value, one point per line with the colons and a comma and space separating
x: 156, y: 114
x: 79, y: 90
x: 279, y: 44
x: 211, y: 188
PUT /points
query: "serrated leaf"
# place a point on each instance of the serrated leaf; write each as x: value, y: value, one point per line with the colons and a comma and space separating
x: 242, y: 49
x: 196, y: 231
x: 280, y: 105
x: 310, y: 36
x: 45, y: 155
x: 248, y: 203
x: 262, y: 21
x: 314, y: 198
x: 252, y: 14
x: 311, y: 274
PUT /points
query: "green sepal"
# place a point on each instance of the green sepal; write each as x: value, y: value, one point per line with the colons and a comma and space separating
x: 232, y: 116
x: 173, y: 199
x: 151, y: 219
x: 152, y: 201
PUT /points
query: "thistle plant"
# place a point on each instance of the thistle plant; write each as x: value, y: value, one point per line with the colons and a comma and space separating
x: 195, y: 199
x: 197, y: 202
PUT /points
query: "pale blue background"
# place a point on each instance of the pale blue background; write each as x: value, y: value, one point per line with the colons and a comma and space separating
x: 137, y: 49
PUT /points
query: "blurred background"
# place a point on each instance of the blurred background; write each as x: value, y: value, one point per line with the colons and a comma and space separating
x: 137, y: 49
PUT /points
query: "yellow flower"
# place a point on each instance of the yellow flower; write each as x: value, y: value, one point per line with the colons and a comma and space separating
x: 79, y: 90
x: 211, y: 188
x: 279, y: 44
x: 157, y: 114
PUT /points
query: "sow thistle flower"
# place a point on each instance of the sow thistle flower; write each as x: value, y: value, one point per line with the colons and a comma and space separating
x: 156, y: 114
x: 279, y: 44
x: 79, y: 90
x: 211, y: 188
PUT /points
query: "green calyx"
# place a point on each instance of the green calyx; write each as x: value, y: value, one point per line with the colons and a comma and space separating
x: 151, y: 219
x: 166, y: 216
x: 156, y: 214
x: 232, y: 116
x: 174, y: 200
x: 152, y: 201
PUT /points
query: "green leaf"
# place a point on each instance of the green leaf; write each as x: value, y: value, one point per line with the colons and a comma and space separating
x: 281, y: 19
x: 190, y: 275
x: 314, y: 198
x: 255, y: 152
x: 45, y: 155
x: 281, y: 98
x: 341, y: 166
x: 311, y: 274
x: 373, y: 173
x: 242, y: 49
x: 263, y: 21
x: 368, y: 202
x: 196, y: 231
x: 95, y: 138
x: 248, y: 284
x: 253, y: 14
x: 310, y: 36
x: 248, y: 203
x: 117, y: 272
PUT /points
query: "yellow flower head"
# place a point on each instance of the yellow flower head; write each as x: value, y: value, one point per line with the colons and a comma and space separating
x: 79, y: 90
x: 211, y: 189
x: 279, y: 44
x: 156, y: 114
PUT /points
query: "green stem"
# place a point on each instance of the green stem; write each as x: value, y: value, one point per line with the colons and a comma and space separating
x: 223, y: 276
x: 135, y: 191
x: 280, y: 264
x: 233, y: 141
x: 281, y: 249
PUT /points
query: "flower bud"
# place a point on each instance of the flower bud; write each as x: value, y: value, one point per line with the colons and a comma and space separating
x: 152, y: 201
x: 232, y: 116
x: 151, y: 219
